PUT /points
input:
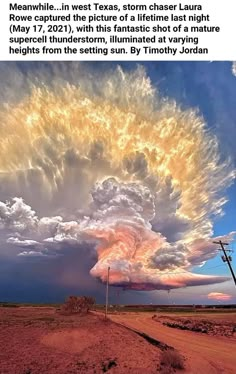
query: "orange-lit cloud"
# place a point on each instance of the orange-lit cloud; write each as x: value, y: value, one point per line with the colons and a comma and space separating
x: 219, y: 296
x: 105, y: 159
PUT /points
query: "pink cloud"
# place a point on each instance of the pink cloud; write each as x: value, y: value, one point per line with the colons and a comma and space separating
x: 219, y: 296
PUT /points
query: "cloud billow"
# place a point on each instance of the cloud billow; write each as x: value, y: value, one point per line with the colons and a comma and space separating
x: 109, y: 163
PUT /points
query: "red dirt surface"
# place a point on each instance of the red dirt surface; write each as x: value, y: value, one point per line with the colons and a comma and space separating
x: 218, y: 327
x: 41, y: 341
x: 204, y: 354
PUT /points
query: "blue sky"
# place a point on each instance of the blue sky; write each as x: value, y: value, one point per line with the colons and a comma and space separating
x: 211, y: 88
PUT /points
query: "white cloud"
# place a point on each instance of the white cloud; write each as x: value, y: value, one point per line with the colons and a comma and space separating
x: 17, y: 215
x: 122, y: 168
x: 219, y: 296
x: 32, y: 254
x: 234, y: 68
x: 120, y: 229
x: 22, y: 243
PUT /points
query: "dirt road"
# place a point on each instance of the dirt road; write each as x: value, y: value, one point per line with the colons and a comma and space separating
x: 204, y: 354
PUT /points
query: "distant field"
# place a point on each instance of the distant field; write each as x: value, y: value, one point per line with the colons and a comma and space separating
x: 18, y: 305
x: 220, y: 315
x: 166, y: 309
x: 169, y: 310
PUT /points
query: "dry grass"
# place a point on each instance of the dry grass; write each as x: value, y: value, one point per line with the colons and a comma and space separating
x: 167, y: 370
x: 171, y: 359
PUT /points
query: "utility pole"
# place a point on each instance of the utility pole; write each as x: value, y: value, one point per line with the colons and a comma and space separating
x: 107, y: 291
x: 226, y: 258
x: 118, y: 299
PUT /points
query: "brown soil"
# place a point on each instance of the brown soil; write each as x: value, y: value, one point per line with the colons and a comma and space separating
x: 40, y: 341
x: 204, y: 326
x: 204, y: 354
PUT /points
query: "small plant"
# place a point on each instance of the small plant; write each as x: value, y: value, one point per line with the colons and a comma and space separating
x: 108, y: 365
x: 167, y: 370
x: 28, y: 371
x: 81, y: 364
x: 76, y: 304
x: 172, y: 359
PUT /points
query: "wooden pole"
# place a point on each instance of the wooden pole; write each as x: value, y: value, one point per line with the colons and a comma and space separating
x: 107, y: 291
x: 227, y: 259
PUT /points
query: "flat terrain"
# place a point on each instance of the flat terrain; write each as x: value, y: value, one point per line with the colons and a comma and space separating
x: 41, y: 341
x: 205, y: 353
x: 38, y: 340
x: 223, y: 316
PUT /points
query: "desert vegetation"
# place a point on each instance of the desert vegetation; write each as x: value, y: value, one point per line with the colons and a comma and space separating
x: 170, y: 360
x: 204, y: 326
x: 77, y: 304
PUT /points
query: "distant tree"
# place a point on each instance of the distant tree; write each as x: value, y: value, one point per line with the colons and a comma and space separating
x: 78, y: 304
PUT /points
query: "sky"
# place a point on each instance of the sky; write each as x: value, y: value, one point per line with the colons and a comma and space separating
x: 123, y: 165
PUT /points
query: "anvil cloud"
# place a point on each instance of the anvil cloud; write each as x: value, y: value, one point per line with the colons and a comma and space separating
x: 108, y: 161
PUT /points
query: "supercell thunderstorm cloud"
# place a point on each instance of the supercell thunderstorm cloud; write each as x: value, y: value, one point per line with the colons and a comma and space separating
x: 104, y: 159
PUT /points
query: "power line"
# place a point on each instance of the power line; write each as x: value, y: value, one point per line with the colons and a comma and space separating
x: 226, y: 258
x: 183, y: 272
x: 213, y: 267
